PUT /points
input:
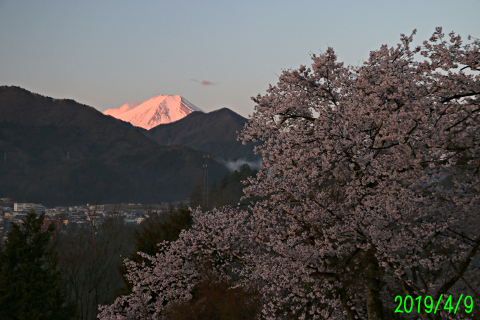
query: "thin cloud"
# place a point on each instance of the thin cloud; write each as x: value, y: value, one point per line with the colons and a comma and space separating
x: 237, y: 164
x: 204, y: 82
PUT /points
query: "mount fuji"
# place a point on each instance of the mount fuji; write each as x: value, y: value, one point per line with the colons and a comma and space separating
x: 161, y: 109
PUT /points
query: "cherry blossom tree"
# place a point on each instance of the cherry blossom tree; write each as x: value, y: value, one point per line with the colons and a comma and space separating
x: 370, y: 189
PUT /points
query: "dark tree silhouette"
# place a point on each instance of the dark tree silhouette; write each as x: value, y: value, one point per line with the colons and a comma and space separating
x: 31, y: 287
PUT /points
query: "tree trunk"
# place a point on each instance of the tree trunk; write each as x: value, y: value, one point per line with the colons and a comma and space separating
x: 374, y: 303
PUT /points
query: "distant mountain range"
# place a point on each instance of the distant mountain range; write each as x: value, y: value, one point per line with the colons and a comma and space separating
x: 57, y: 151
x: 161, y: 109
x: 215, y: 132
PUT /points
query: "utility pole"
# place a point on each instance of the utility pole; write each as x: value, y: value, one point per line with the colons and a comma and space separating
x: 205, y: 181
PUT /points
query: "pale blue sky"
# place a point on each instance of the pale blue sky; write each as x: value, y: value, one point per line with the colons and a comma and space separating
x: 105, y: 53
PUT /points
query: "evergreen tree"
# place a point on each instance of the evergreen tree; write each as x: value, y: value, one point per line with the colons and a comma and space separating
x: 229, y: 190
x: 161, y: 227
x: 30, y: 285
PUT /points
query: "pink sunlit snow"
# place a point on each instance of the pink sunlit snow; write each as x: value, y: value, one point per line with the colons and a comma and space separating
x: 117, y: 111
x: 158, y: 110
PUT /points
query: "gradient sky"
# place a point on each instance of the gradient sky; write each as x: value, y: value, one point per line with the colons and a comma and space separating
x: 216, y: 54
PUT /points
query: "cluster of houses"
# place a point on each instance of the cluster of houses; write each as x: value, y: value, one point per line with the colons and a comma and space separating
x: 64, y: 215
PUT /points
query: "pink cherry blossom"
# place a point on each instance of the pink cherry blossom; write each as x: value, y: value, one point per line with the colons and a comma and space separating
x: 370, y: 189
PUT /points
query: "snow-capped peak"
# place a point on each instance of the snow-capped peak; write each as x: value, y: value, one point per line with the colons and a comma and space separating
x: 158, y: 110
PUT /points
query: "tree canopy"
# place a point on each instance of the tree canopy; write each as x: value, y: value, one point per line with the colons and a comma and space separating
x: 370, y: 189
x: 30, y: 284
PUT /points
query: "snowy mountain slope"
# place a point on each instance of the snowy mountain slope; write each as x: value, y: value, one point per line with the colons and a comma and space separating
x: 158, y: 110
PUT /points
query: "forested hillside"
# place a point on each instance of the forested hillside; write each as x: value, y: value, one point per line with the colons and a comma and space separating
x: 61, y: 152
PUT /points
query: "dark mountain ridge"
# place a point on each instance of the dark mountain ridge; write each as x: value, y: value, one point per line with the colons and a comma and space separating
x: 57, y: 151
x: 214, y: 132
